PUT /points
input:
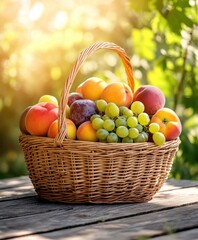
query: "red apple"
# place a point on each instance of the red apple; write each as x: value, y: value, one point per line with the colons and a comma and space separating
x: 169, y: 122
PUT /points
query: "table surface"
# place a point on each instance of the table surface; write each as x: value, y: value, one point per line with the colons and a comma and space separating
x: 171, y: 214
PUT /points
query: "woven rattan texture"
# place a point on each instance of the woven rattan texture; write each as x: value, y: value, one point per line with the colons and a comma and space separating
x: 97, y: 172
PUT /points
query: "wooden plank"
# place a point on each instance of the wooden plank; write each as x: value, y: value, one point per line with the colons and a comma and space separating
x: 28, y: 206
x: 69, y: 216
x: 183, y: 235
x: 175, y: 184
x: 14, y: 188
x: 32, y: 205
x: 136, y: 227
x: 17, y: 192
x: 14, y: 182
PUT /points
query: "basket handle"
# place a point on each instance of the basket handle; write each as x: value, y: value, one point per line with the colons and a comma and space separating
x: 70, y: 79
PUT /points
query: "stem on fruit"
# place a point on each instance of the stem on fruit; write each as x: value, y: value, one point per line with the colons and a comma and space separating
x: 165, y: 121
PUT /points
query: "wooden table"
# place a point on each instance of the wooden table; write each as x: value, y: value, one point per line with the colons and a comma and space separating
x: 172, y: 214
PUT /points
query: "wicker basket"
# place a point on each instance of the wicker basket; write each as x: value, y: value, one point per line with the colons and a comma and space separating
x: 75, y: 171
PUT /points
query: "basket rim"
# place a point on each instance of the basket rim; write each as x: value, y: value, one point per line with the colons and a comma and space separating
x: 144, y: 145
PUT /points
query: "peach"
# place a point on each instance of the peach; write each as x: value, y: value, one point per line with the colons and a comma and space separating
x: 53, y: 129
x: 152, y: 98
x: 79, y: 88
x: 169, y: 123
x: 70, y: 129
x: 86, y: 132
x: 119, y: 93
x: 92, y: 88
x: 49, y: 99
x: 39, y: 118
x: 22, y: 126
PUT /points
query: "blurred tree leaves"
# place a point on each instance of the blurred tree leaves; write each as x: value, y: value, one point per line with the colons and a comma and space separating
x: 40, y: 41
x: 173, y: 27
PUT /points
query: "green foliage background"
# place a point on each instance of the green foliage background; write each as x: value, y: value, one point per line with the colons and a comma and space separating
x: 40, y: 41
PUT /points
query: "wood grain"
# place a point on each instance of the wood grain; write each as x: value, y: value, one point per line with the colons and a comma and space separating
x: 173, y: 212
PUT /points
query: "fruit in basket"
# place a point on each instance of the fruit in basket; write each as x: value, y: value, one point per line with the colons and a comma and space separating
x: 137, y: 107
x: 142, y: 137
x: 22, y: 126
x: 86, y: 132
x: 118, y: 93
x: 49, y: 99
x: 79, y: 88
x: 169, y: 123
x: 122, y: 131
x: 112, y: 110
x: 143, y: 119
x: 135, y: 127
x: 109, y: 125
x: 101, y: 105
x: 120, y: 124
x: 81, y: 111
x: 97, y: 122
x: 152, y: 98
x: 39, y: 118
x: 159, y: 138
x: 154, y: 127
x: 92, y: 88
x: 73, y: 97
x: 112, y: 138
x: 67, y: 111
x: 70, y: 129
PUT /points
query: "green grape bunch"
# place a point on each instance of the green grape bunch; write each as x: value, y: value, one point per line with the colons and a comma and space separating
x: 126, y: 125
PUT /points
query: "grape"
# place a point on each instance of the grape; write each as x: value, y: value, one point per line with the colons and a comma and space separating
x: 104, y: 117
x: 122, y: 109
x: 128, y: 113
x: 122, y: 131
x: 97, y: 123
x: 121, y: 121
x: 109, y: 125
x: 154, y: 127
x: 133, y: 132
x: 127, y: 140
x: 140, y: 138
x: 137, y: 107
x: 159, y: 138
x: 146, y: 136
x: 94, y: 116
x: 139, y: 127
x: 112, y: 110
x: 112, y: 138
x: 101, y: 105
x: 132, y: 121
x: 102, y: 134
x: 143, y: 119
